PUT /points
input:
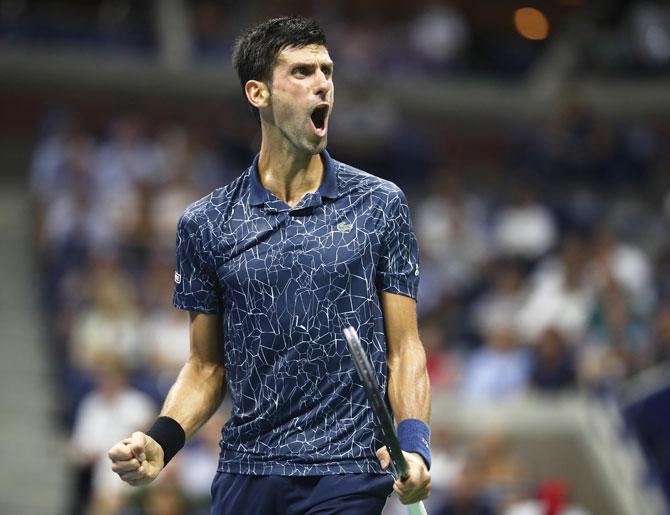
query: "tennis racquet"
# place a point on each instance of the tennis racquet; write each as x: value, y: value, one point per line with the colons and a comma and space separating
x: 380, y: 409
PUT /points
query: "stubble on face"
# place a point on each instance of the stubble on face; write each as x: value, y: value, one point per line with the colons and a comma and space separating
x: 302, y: 97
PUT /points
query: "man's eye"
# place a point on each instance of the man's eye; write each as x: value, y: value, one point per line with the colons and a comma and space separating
x: 300, y: 71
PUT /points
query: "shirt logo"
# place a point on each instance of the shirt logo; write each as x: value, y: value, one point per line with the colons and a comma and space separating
x: 177, y: 278
x: 342, y: 227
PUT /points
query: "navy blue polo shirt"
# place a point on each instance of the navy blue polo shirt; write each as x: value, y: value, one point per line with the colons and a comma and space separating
x: 286, y: 281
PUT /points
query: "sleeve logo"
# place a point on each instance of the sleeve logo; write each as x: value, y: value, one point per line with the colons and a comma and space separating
x: 177, y: 277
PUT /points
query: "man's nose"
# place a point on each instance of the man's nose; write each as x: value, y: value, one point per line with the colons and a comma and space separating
x: 323, y: 84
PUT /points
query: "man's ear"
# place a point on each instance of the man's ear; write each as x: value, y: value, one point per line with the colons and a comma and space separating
x: 258, y: 93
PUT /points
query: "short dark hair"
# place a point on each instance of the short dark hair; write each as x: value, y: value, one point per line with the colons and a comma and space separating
x: 256, y: 50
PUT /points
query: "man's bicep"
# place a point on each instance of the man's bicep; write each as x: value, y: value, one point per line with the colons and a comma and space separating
x: 205, y: 338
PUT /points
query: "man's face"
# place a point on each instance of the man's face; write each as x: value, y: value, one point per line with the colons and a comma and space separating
x: 302, y: 96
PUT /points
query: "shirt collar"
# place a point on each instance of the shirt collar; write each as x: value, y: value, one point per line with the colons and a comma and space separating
x: 328, y: 187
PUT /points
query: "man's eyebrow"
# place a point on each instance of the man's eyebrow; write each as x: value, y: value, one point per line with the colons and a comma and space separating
x: 298, y: 64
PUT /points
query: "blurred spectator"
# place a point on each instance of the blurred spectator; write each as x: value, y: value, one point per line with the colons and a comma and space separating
x: 466, y: 496
x: 503, y: 301
x: 451, y: 226
x: 193, y: 153
x: 359, y: 44
x: 617, y: 340
x: 111, y: 324
x: 106, y: 415
x: 167, y: 204
x: 504, y: 474
x: 552, y: 499
x: 579, y: 144
x: 560, y: 294
x: 442, y: 365
x: 661, y: 335
x: 211, y: 29
x: 626, y: 265
x: 130, y: 154
x: 165, y: 499
x: 366, y: 121
x: 524, y: 228
x: 500, y: 370
x: 436, y: 36
x: 650, y: 24
x: 553, y: 368
x: 61, y: 177
x: 662, y: 264
x: 166, y: 336
x: 129, y: 163
x: 449, y: 459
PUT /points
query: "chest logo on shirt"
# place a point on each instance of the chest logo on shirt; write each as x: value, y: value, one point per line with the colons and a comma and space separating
x: 177, y: 278
x: 342, y: 227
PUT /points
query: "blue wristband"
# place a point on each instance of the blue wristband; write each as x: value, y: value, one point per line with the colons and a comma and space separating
x: 414, y: 436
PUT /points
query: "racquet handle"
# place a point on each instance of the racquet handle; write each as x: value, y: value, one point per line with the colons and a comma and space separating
x: 379, y: 407
x: 416, y: 509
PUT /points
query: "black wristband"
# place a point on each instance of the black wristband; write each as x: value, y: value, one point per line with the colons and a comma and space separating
x: 169, y: 434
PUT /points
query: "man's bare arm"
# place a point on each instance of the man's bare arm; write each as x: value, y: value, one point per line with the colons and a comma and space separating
x: 193, y: 398
x: 408, y: 385
x: 200, y: 386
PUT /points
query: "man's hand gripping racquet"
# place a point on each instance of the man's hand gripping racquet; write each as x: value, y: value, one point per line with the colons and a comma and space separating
x: 390, y: 438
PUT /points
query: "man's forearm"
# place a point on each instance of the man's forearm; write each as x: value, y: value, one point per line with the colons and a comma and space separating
x: 408, y: 383
x: 195, y: 395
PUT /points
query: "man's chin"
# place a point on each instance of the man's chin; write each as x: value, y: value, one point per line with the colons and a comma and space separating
x: 320, y: 146
x: 314, y: 147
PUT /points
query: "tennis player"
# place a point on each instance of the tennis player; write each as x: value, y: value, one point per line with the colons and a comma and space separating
x: 272, y: 267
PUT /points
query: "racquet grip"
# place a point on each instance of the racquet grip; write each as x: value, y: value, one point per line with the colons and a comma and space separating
x: 416, y: 509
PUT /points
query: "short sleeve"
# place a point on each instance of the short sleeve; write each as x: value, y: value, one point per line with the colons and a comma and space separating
x: 398, y: 269
x: 196, y: 283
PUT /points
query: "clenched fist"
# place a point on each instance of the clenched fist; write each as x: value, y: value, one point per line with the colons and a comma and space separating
x: 137, y: 460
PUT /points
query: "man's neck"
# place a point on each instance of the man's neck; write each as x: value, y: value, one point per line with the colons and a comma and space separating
x: 287, y: 173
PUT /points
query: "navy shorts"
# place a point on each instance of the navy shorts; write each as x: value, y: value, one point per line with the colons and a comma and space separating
x: 350, y: 494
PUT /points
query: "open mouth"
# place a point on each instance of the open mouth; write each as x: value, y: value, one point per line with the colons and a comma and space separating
x: 319, y: 118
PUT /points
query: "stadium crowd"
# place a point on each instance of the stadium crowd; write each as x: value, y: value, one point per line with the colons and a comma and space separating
x: 548, y: 274
x: 545, y: 259
x: 424, y: 38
